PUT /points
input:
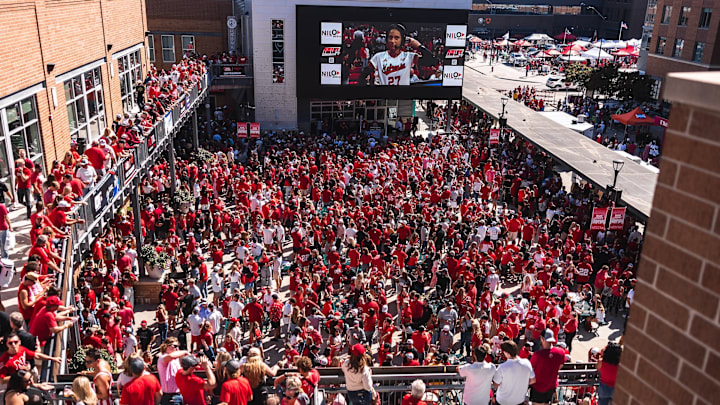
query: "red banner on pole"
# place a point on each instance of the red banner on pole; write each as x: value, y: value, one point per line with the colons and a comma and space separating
x: 242, y: 131
x: 598, y: 219
x: 494, y: 136
x: 617, y: 219
x: 254, y: 130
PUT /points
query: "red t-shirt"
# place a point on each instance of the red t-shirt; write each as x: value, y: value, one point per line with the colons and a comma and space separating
x: 191, y: 388
x: 12, y: 363
x: 141, y: 391
x: 408, y: 399
x: 311, y: 381
x: 3, y: 215
x: 546, y: 364
x: 255, y: 312
x: 236, y: 391
x: 41, y: 324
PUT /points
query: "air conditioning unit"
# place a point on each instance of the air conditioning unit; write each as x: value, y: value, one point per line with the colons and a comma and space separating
x: 581, y: 118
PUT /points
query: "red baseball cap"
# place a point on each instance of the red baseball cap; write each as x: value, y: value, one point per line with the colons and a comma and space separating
x: 357, y: 350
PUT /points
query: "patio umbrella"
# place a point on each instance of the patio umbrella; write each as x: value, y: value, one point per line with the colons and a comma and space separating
x: 562, y: 36
x: 596, y: 53
x: 622, y: 52
x: 475, y: 39
x: 504, y: 42
x: 553, y: 52
x: 522, y: 42
x: 570, y: 52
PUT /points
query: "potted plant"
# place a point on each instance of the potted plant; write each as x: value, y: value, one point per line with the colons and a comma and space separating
x: 182, y: 200
x: 77, y: 362
x: 155, y: 263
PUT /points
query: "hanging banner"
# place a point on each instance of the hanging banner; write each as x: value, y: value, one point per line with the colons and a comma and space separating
x: 598, y: 219
x: 254, y: 130
x: 494, y: 136
x: 242, y: 130
x: 660, y: 121
x: 617, y: 219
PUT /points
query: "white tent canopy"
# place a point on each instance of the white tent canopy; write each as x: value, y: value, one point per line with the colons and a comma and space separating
x: 536, y: 37
x: 584, y: 44
x: 573, y: 58
x: 596, y: 53
x: 604, y: 44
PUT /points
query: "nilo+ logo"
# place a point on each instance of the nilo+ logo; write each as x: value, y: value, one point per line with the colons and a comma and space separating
x: 452, y: 76
x: 330, y: 33
x: 455, y: 35
x: 454, y: 53
x: 330, y: 73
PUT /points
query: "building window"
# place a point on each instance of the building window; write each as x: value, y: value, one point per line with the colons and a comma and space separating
x: 85, y: 106
x: 188, y: 44
x: 19, y: 129
x: 130, y: 73
x: 705, y: 17
x: 168, y: 48
x: 677, y: 50
x: 698, y: 52
x: 667, y: 11
x: 278, y: 51
x: 151, y: 48
x: 660, y: 49
x: 684, y: 14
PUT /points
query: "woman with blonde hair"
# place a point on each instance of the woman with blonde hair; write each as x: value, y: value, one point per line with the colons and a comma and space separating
x: 254, y: 371
x: 82, y: 392
x: 293, y: 393
x: 221, y: 374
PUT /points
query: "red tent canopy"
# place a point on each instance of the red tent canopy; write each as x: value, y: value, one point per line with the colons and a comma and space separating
x: 568, y: 37
x: 634, y: 117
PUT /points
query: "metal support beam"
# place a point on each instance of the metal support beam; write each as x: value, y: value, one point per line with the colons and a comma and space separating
x: 196, y: 143
x: 135, y: 201
x: 448, y: 117
x: 171, y: 160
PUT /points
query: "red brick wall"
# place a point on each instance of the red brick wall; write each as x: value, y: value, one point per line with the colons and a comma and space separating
x: 672, y: 340
x: 69, y: 34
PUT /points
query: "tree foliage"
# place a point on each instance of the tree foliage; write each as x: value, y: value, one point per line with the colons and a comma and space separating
x: 610, y: 82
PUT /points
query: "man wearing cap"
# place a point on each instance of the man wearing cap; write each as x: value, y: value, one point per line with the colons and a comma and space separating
x: 130, y: 343
x: 236, y: 390
x: 145, y: 336
x: 144, y: 389
x: 192, y: 387
x: 546, y: 364
x: 58, y: 216
x: 96, y: 155
x: 48, y: 322
x: 87, y: 175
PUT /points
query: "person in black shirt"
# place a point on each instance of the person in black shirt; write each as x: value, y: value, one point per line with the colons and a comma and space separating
x: 145, y: 335
x: 4, y: 191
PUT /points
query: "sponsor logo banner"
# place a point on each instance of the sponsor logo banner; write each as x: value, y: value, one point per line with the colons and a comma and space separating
x: 331, y: 33
x: 455, y: 35
x: 330, y: 73
x: 452, y: 76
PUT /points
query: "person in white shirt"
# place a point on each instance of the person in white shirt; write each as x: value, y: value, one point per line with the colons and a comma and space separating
x: 493, y: 280
x: 287, y: 313
x: 216, y: 283
x: 236, y: 307
x: 513, y: 377
x: 215, y: 318
x: 478, y: 378
x: 358, y: 376
x: 268, y: 233
x: 195, y: 322
x: 277, y: 270
x: 130, y: 343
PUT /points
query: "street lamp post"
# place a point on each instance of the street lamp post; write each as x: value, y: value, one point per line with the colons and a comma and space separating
x: 613, y: 193
x: 502, y: 120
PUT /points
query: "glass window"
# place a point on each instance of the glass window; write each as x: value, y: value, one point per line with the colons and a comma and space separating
x: 677, y: 50
x: 278, y: 50
x: 151, y: 48
x: 661, y: 45
x: 13, y: 117
x: 4, y: 164
x: 168, y: 48
x: 698, y: 52
x: 684, y: 14
x: 24, y: 134
x: 667, y: 12
x: 188, y: 44
x: 32, y: 133
x: 86, y: 106
x: 17, y: 142
x: 130, y: 75
x: 705, y: 17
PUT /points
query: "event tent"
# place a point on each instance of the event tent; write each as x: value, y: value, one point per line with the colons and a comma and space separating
x: 565, y: 37
x: 539, y: 38
x: 634, y: 117
x: 573, y: 58
x: 596, y: 53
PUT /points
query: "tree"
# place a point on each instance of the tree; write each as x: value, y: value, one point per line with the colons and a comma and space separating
x: 578, y: 73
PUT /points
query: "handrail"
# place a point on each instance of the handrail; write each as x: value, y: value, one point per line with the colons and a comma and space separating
x: 97, y: 203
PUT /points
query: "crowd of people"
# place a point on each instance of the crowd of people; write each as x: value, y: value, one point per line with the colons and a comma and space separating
x: 343, y: 252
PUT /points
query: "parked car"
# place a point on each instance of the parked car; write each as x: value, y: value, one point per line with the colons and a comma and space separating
x: 555, y: 82
x: 516, y: 58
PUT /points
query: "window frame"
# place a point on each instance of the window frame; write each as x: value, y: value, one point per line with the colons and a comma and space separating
x: 182, y: 43
x: 695, y: 52
x: 277, y: 39
x: 172, y: 48
x: 23, y: 129
x: 666, y: 14
x: 684, y: 15
x: 677, y: 52
x: 81, y: 100
x: 151, y: 48
x: 662, y: 40
x: 128, y: 76
x: 705, y: 18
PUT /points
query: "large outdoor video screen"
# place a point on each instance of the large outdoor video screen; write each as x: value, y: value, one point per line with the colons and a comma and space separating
x: 380, y: 53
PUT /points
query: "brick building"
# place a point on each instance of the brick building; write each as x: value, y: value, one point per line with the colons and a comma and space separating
x: 684, y: 37
x: 179, y: 26
x: 66, y: 69
x: 672, y: 340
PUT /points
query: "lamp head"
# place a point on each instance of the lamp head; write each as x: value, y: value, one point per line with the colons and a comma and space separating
x: 618, y: 165
x: 504, y: 101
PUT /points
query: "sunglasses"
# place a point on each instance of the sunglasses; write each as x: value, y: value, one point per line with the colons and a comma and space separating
x: 13, y: 342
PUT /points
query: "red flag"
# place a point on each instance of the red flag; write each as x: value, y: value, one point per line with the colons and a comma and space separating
x: 598, y: 219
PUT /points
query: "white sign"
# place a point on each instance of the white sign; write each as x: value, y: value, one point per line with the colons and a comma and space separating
x: 232, y: 33
x: 168, y: 121
x: 331, y: 33
x: 455, y: 35
x: 330, y: 73
x: 452, y: 76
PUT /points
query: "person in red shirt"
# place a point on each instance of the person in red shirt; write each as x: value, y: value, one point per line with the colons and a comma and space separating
x: 192, y: 388
x: 254, y: 311
x: 144, y: 389
x: 18, y: 357
x: 236, y: 390
x: 417, y: 392
x: 22, y: 183
x: 546, y: 364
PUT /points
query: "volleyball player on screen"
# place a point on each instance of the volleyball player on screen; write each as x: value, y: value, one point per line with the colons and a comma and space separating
x: 393, y: 67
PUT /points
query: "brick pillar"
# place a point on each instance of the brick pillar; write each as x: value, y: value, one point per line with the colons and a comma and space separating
x: 672, y: 340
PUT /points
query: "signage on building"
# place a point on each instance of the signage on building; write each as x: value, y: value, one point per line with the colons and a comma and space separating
x: 330, y: 73
x: 129, y: 169
x: 454, y: 53
x: 494, y: 136
x: 617, y: 219
x: 597, y: 223
x: 254, y: 130
x: 242, y: 130
x: 331, y: 51
x: 456, y: 35
x: 232, y: 24
x: 151, y: 141
x: 452, y: 76
x: 168, y: 123
x: 331, y: 33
